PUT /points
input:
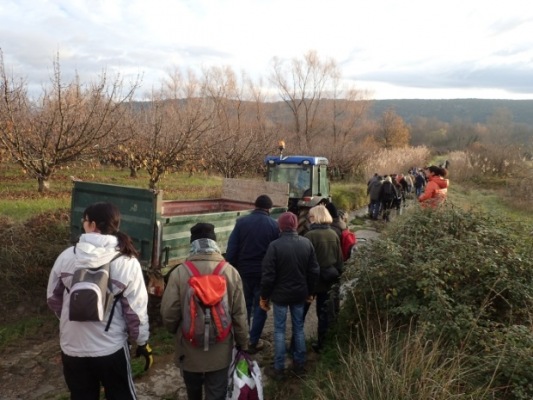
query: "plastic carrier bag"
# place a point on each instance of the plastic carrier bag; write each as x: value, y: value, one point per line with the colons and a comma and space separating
x: 244, y: 378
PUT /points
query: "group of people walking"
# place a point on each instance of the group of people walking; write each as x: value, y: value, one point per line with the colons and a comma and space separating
x: 267, y: 265
x: 280, y: 269
x: 389, y: 192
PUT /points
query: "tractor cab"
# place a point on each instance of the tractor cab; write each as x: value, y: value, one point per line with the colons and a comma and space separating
x: 307, y: 178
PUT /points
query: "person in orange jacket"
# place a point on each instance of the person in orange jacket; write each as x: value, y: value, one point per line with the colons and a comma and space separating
x: 436, y: 189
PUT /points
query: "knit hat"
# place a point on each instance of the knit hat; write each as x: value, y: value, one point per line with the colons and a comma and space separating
x: 203, y: 230
x: 287, y: 222
x: 263, y: 202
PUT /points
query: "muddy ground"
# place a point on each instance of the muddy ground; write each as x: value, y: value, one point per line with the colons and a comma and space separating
x: 31, y: 369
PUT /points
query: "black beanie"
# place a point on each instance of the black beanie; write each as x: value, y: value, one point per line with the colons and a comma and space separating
x: 264, y: 202
x: 203, y: 230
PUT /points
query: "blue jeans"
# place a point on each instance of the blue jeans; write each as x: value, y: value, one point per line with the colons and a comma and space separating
x: 252, y: 290
x: 375, y: 206
x: 297, y: 319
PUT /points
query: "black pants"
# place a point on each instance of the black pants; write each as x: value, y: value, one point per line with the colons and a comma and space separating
x: 386, y: 206
x: 215, y: 384
x: 84, y: 375
x: 327, y: 307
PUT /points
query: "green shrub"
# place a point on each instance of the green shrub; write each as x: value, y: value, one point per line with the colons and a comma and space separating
x: 349, y: 196
x: 463, y: 277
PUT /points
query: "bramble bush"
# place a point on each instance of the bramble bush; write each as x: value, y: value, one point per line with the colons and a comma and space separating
x: 27, y: 254
x: 463, y: 278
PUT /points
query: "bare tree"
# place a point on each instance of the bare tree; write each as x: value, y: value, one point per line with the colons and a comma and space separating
x: 463, y: 134
x: 67, y: 122
x: 171, y: 127
x: 344, y: 113
x: 425, y: 130
x: 302, y: 86
x: 393, y: 131
x: 500, y: 125
x: 238, y: 143
x: 127, y: 146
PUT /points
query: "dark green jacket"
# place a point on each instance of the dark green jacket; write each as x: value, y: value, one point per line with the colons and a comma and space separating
x: 327, y: 249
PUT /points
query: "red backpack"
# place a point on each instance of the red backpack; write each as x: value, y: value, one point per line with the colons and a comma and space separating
x: 206, y: 316
x: 348, y: 241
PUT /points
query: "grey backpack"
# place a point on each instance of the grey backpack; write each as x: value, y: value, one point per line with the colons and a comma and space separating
x: 90, y: 294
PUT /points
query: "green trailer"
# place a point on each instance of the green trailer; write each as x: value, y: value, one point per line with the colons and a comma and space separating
x: 160, y: 229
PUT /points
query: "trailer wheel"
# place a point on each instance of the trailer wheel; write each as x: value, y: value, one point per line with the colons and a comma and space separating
x: 303, y: 223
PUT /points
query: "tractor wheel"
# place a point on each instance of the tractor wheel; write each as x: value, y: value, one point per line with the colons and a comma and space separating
x: 303, y: 223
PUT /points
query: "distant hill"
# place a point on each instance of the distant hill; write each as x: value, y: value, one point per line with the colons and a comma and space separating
x: 472, y: 110
x: 469, y: 110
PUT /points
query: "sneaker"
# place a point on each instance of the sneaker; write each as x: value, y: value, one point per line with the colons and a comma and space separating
x: 253, y: 348
x: 274, y: 374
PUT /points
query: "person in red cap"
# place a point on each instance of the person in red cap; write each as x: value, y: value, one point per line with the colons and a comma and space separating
x: 290, y: 273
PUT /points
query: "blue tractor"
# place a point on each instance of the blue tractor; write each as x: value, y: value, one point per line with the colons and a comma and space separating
x: 308, y: 182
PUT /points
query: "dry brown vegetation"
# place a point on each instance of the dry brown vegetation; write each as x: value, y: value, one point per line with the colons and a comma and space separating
x: 27, y: 252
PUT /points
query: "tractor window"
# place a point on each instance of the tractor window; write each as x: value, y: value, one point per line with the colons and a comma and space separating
x: 298, y: 178
x: 323, y: 185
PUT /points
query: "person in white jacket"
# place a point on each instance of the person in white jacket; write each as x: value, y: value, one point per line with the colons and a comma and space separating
x: 91, y: 355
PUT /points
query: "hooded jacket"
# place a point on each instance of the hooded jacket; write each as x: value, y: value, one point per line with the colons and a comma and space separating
x: 89, y: 338
x: 436, y: 191
x: 219, y: 355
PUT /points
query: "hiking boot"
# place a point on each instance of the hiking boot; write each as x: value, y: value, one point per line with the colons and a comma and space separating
x: 299, y: 371
x: 253, y: 348
x: 274, y: 374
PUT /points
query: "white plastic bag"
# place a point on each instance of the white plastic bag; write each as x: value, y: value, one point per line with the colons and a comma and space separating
x: 244, y: 378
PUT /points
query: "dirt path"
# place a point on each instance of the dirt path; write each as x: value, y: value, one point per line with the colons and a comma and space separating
x: 31, y: 369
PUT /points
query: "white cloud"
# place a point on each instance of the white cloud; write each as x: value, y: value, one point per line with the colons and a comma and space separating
x: 397, y: 49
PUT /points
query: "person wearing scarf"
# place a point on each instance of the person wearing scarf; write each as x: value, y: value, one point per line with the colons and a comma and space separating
x: 205, y: 372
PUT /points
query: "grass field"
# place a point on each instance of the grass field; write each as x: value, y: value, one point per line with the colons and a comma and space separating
x: 19, y: 198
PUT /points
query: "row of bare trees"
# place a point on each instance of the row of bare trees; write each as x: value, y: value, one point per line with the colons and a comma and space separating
x: 213, y: 120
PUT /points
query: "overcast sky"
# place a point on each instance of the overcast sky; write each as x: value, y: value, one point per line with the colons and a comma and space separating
x: 396, y: 49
